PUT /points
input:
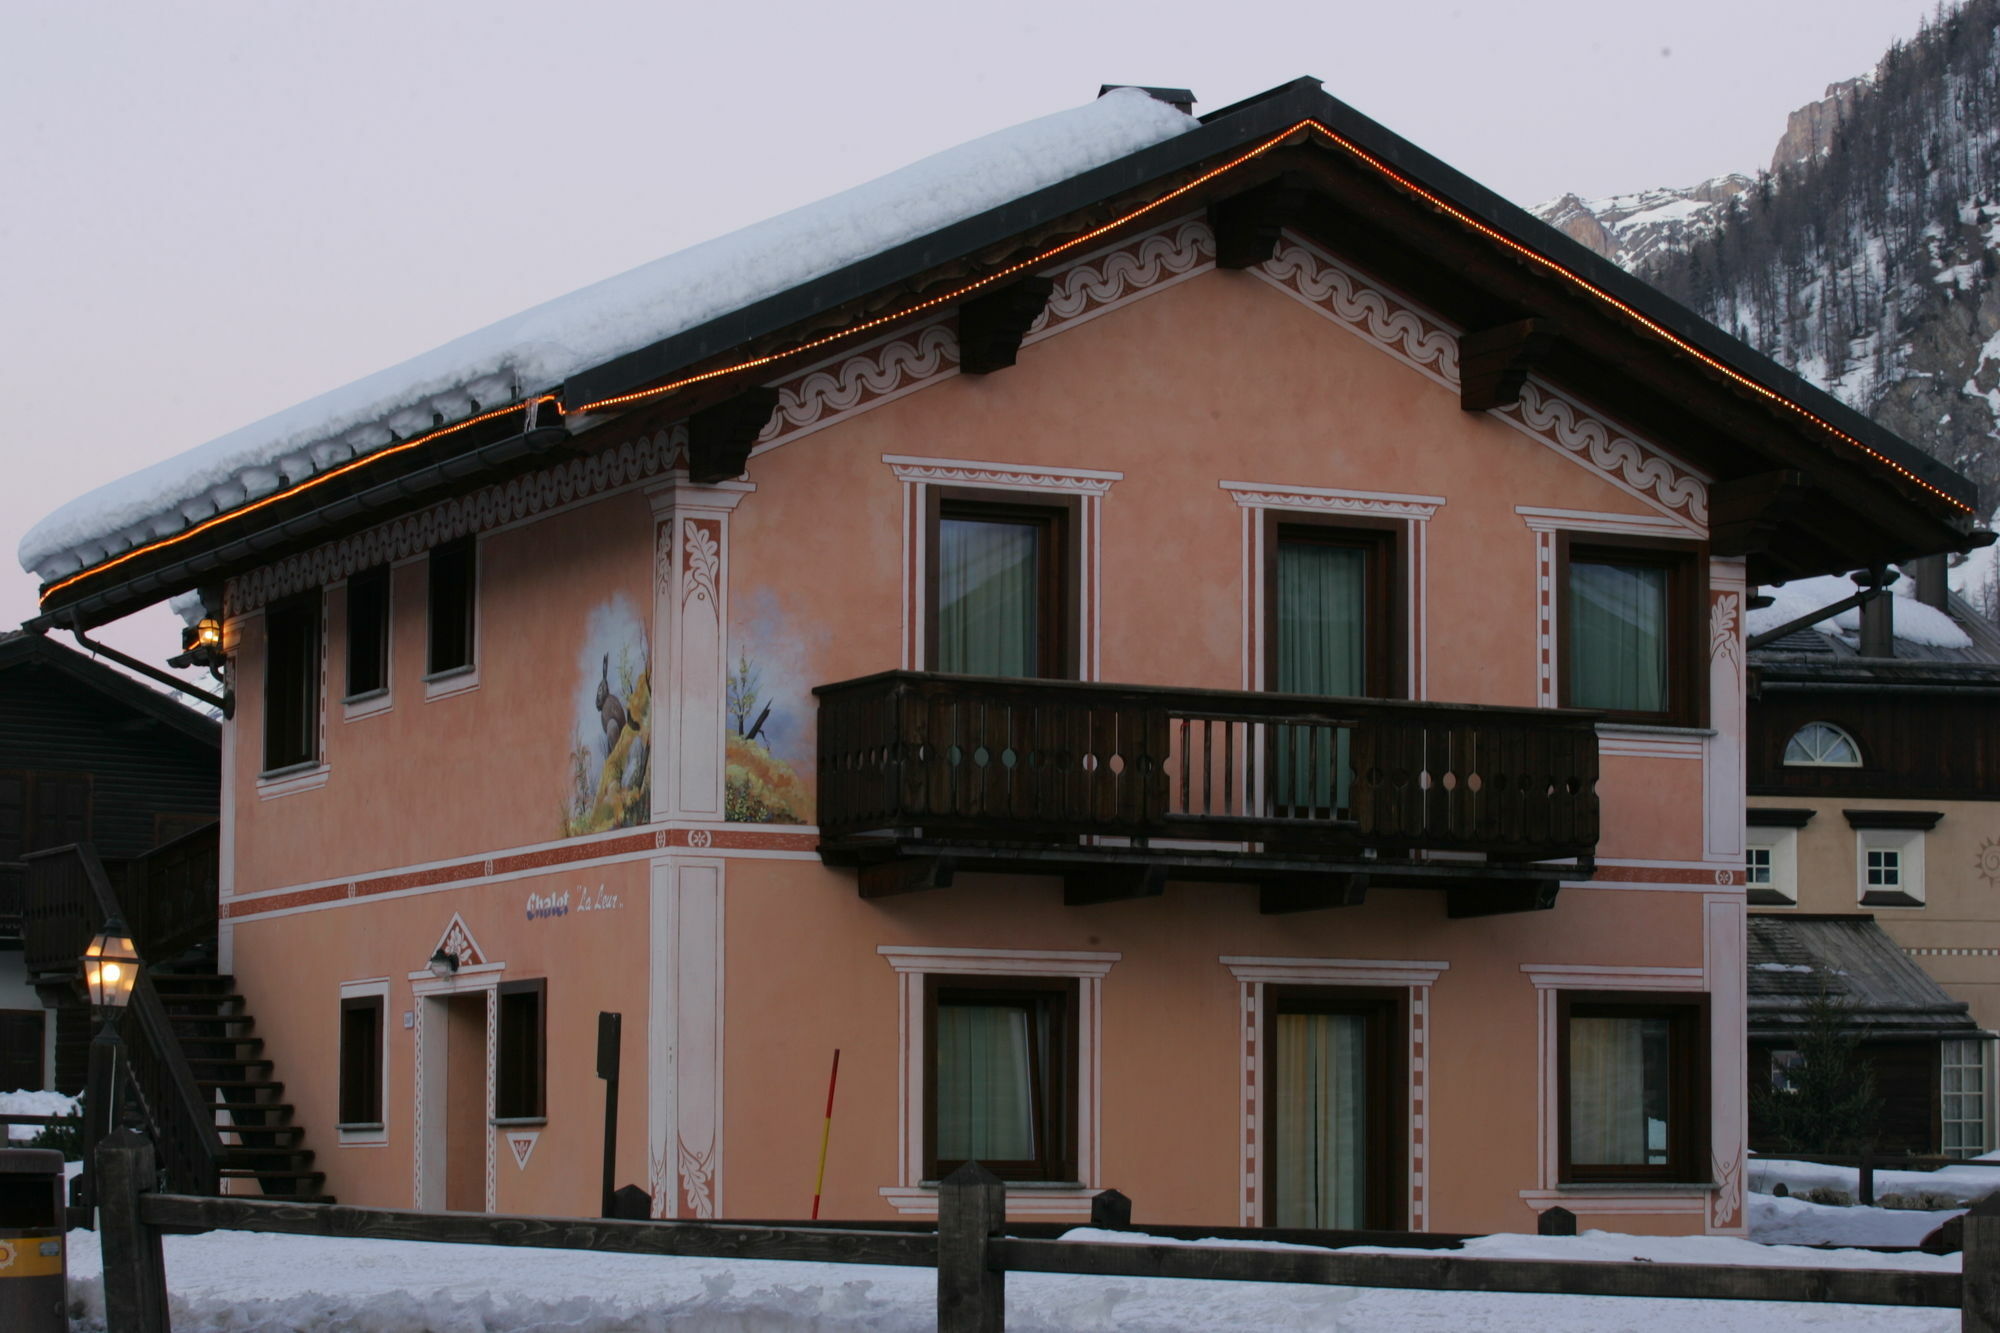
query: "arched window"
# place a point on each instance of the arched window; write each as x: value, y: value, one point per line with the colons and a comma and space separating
x: 1823, y: 744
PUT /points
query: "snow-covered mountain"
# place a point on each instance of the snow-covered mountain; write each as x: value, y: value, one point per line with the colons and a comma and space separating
x: 1867, y: 257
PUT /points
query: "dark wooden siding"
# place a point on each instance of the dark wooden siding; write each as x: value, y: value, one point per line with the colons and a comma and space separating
x: 1906, y: 1082
x: 139, y: 768
x: 1917, y: 746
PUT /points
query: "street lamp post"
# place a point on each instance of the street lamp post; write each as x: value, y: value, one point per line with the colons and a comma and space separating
x: 110, y: 970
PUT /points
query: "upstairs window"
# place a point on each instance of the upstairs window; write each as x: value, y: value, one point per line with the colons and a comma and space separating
x: 1822, y: 745
x: 1628, y: 631
x: 453, y: 580
x: 291, y: 682
x: 368, y: 632
x: 1000, y: 589
x: 1332, y: 611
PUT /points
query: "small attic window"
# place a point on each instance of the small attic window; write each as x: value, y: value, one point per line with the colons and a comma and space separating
x: 1822, y: 745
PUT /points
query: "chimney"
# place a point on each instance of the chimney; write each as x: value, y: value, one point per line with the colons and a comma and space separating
x: 1932, y: 590
x: 1878, y: 613
x: 1180, y: 99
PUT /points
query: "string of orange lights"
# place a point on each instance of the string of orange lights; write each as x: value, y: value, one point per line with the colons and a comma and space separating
x: 958, y: 293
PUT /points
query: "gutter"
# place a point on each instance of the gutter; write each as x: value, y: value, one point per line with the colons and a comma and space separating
x: 148, y: 670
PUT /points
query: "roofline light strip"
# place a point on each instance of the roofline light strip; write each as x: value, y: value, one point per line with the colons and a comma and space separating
x: 286, y: 494
x: 1363, y: 155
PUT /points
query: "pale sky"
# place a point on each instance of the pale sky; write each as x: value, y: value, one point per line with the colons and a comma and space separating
x: 213, y: 211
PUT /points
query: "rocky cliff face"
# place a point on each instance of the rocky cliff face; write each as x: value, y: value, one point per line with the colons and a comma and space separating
x: 1868, y: 258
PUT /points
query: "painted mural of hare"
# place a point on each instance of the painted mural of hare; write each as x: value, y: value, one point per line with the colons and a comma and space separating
x: 610, y: 708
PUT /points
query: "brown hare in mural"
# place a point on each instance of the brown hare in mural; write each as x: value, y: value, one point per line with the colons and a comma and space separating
x: 610, y: 708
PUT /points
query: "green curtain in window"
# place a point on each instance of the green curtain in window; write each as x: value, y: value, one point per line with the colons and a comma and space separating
x: 1319, y: 1103
x: 1618, y: 1091
x: 1618, y: 637
x: 1322, y: 641
x: 987, y: 583
x: 985, y: 1109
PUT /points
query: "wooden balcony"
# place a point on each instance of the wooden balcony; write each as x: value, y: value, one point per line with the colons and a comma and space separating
x: 1119, y: 788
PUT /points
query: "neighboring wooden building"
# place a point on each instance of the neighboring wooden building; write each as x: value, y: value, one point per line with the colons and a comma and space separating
x: 87, y: 754
x: 1875, y: 792
x: 1216, y: 670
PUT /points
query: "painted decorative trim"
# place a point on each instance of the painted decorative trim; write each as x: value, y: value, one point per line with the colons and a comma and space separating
x: 521, y: 1146
x: 912, y: 963
x: 1000, y: 476
x: 1638, y: 744
x: 1592, y: 976
x: 1262, y: 495
x: 1541, y: 519
x: 1022, y: 1201
x: 1545, y: 620
x: 1255, y: 973
x: 1950, y: 953
x: 1546, y: 413
x: 447, y: 684
x: 1108, y: 279
x: 457, y: 941
x: 685, y: 1037
x: 1415, y: 337
x: 532, y: 495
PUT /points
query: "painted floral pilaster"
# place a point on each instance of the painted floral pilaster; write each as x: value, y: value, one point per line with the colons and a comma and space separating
x: 684, y: 1039
x: 690, y: 620
x: 1723, y: 759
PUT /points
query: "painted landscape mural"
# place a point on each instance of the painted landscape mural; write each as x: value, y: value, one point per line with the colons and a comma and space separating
x: 610, y: 782
x: 768, y: 745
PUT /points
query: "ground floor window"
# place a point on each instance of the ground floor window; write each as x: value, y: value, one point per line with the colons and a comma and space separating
x: 361, y: 1061
x: 1000, y: 1077
x: 520, y: 1072
x: 1632, y: 1087
x: 1335, y: 1121
x: 1964, y: 1102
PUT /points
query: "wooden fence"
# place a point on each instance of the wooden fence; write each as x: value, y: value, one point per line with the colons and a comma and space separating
x: 974, y: 1248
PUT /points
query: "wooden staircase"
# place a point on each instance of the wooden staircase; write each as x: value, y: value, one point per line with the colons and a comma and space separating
x: 216, y: 1033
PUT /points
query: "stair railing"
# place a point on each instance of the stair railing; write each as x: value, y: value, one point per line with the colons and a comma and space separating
x: 69, y: 898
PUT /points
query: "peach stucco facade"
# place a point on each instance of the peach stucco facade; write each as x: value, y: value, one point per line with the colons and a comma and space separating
x: 1182, y: 409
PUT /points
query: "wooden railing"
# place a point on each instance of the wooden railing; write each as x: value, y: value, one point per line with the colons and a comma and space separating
x: 13, y: 890
x: 69, y: 898
x: 974, y: 1248
x: 1035, y: 760
x: 167, y: 897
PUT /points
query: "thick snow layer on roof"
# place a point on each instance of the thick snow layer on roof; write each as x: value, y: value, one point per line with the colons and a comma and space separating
x: 534, y: 351
x: 1915, y: 622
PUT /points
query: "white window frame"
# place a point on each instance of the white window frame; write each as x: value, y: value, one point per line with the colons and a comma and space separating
x: 1783, y: 845
x: 911, y: 1194
x: 1981, y: 1069
x: 1909, y: 843
x: 377, y: 987
x: 1787, y: 761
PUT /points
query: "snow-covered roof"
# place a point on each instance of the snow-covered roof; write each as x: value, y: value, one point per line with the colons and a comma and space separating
x: 535, y: 351
x: 1915, y: 622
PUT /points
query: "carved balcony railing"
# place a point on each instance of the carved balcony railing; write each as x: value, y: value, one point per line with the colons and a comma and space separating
x: 1039, y: 762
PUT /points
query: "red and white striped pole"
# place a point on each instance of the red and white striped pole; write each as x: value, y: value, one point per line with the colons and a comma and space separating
x: 825, y: 1132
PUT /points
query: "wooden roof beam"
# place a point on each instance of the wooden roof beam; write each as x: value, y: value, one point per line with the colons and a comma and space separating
x: 991, y: 325
x: 719, y: 437
x: 1494, y: 363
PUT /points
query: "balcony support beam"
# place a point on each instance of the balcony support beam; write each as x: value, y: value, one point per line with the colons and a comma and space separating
x: 1497, y: 897
x: 1111, y: 884
x: 1312, y: 895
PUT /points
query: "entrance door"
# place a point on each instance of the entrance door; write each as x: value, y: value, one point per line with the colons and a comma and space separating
x: 1337, y: 1091
x: 465, y: 1103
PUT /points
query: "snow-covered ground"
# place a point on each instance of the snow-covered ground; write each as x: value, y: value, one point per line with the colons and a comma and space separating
x: 232, y: 1282
x: 1966, y: 1184
x: 34, y: 1103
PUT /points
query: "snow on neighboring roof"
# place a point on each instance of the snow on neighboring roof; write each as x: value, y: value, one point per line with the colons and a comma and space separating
x: 534, y: 351
x: 1915, y: 621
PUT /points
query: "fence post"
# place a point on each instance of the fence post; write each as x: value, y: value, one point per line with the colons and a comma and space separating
x: 1865, y: 1184
x: 135, y: 1273
x: 972, y: 1208
x: 1111, y: 1210
x: 1979, y: 1307
x: 1557, y: 1221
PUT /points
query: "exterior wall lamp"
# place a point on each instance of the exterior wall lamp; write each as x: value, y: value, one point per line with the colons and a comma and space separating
x: 444, y: 966
x: 110, y: 970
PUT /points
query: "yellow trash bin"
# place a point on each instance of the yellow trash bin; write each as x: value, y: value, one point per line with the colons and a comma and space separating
x: 34, y: 1286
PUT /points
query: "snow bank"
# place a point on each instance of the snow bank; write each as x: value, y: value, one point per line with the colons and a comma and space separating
x: 1782, y: 1222
x: 27, y: 1102
x: 1915, y: 622
x: 1967, y: 1184
x: 536, y: 350
x: 232, y: 1282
